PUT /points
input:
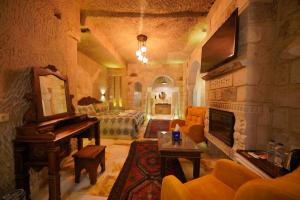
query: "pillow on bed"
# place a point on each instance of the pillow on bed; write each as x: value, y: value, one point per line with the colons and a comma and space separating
x: 130, y: 111
x: 100, y: 107
x: 89, y: 109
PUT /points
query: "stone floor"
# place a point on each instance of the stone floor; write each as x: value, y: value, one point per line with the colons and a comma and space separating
x: 116, y: 154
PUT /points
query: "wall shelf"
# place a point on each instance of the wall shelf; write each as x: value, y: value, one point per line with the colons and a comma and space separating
x: 224, y: 69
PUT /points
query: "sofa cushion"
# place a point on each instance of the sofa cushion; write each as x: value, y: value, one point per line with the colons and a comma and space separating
x: 100, y: 107
x: 196, y: 132
x: 209, y: 188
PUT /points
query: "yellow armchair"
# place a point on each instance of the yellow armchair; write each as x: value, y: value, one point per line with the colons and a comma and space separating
x: 231, y: 181
x: 193, y: 125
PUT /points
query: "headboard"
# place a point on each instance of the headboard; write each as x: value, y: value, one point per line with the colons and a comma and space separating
x: 84, y: 101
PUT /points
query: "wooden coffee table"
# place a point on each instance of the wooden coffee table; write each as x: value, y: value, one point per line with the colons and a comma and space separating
x: 186, y: 149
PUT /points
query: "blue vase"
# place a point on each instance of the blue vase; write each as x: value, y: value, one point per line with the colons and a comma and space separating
x: 176, y: 135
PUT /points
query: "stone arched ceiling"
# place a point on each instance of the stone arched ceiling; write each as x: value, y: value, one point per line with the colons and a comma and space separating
x: 173, y: 27
x: 162, y: 81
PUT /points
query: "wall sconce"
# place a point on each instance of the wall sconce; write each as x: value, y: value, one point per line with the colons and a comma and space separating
x: 102, y: 95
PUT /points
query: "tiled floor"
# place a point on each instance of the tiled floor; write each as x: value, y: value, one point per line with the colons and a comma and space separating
x: 116, y: 154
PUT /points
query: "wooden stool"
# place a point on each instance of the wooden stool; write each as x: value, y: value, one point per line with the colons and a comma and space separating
x: 89, y: 157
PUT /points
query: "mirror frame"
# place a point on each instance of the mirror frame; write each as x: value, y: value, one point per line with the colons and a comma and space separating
x: 44, y: 71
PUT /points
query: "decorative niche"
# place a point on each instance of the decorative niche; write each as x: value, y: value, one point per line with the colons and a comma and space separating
x: 133, y: 74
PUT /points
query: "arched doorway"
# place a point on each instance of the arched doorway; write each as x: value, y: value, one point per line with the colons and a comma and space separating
x: 196, y: 86
x: 163, y: 98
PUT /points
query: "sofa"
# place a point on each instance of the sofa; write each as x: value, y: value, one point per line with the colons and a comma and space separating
x: 232, y: 181
x: 193, y: 125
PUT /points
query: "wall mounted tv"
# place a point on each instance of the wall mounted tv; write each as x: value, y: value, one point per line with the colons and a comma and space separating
x: 222, y: 46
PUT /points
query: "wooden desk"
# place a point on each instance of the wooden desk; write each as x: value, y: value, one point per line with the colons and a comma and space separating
x: 45, y: 144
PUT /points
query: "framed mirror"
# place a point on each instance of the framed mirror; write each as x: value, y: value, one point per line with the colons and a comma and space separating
x: 51, y: 93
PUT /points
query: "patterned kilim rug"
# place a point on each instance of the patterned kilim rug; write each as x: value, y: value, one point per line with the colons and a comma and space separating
x: 155, y: 125
x: 140, y: 176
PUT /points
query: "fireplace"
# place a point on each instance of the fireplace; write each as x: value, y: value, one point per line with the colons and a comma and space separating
x: 221, y: 125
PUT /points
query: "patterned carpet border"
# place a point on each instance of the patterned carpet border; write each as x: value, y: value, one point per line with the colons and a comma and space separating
x: 155, y: 125
x: 127, y: 187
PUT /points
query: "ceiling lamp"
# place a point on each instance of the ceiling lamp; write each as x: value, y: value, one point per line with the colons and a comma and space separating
x: 142, y: 49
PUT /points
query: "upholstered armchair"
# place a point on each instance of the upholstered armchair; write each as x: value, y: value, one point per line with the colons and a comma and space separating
x: 193, y: 125
x: 231, y: 181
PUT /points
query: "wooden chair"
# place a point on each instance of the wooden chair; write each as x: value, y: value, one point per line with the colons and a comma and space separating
x: 89, y: 158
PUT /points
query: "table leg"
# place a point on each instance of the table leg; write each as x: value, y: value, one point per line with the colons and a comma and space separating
x: 79, y: 143
x: 196, y: 167
x: 21, y: 170
x: 162, y: 166
x: 53, y: 172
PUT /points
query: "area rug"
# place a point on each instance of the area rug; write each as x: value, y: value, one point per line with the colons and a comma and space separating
x: 155, y: 125
x: 140, y: 176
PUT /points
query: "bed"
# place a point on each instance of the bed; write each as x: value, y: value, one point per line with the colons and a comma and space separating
x: 121, y: 124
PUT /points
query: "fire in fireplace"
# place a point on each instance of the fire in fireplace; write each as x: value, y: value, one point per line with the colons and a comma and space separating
x: 221, y: 125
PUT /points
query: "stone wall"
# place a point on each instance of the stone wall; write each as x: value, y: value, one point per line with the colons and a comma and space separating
x: 264, y: 95
x: 91, y: 76
x: 286, y: 79
x: 219, y: 12
x: 121, y: 89
x: 244, y: 92
x: 33, y: 33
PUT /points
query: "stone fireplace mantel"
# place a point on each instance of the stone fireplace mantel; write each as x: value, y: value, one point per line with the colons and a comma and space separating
x: 225, y: 69
x: 244, y: 128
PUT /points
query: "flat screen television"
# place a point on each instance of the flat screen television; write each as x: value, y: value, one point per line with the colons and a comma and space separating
x: 222, y: 46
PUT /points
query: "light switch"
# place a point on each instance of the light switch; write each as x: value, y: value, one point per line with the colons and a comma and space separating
x: 4, y: 117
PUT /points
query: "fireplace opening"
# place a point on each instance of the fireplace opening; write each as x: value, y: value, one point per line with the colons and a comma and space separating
x: 221, y: 125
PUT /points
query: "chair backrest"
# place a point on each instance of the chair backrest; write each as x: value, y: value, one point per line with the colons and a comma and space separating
x: 283, y: 188
x: 195, y: 115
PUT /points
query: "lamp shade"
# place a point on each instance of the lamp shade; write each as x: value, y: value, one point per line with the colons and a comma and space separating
x: 141, y: 52
x: 138, y: 53
x: 140, y: 58
x: 143, y: 49
x: 145, y: 60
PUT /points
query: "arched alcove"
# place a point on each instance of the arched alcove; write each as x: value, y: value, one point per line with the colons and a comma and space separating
x: 193, y: 72
x: 163, y: 98
x: 138, y: 87
x: 163, y: 81
x: 195, y: 84
x: 191, y: 80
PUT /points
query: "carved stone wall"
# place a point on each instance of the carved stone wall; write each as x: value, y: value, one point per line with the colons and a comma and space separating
x: 33, y: 33
x: 92, y: 77
x: 286, y: 79
x: 264, y: 95
x: 246, y: 91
